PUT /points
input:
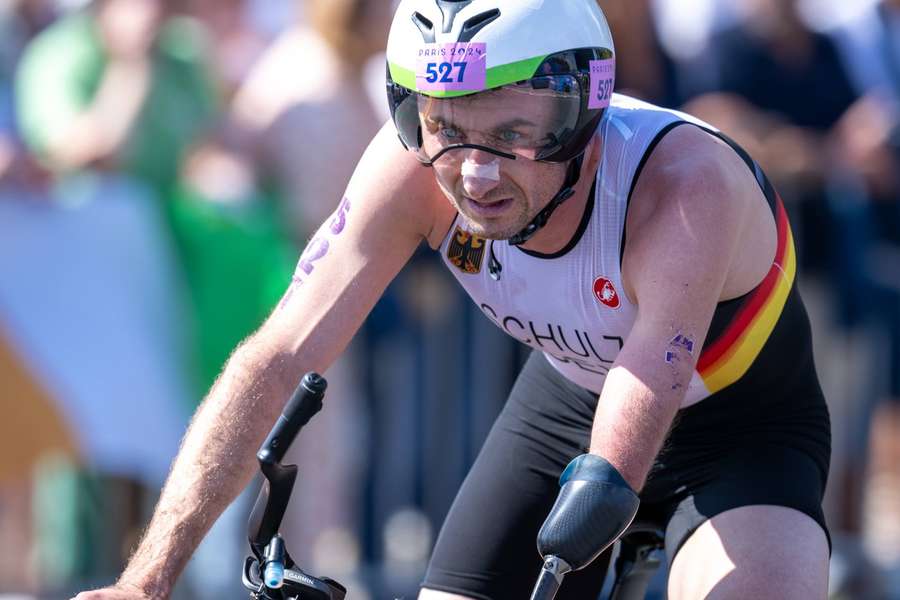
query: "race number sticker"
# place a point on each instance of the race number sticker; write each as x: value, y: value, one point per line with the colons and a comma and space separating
x: 460, y: 66
x: 603, y: 80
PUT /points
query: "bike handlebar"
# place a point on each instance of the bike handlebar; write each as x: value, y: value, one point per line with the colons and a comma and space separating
x: 303, y: 405
x: 271, y: 573
x: 265, y: 519
x: 297, y: 584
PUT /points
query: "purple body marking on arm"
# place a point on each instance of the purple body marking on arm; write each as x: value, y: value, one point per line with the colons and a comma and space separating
x: 679, y: 341
x: 339, y: 220
x: 684, y: 341
x: 316, y: 250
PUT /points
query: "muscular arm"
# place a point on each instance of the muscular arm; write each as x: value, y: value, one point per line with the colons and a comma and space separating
x: 686, y: 230
x: 386, y: 213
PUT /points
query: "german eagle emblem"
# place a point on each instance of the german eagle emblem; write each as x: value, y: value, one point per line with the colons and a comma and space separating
x: 466, y: 251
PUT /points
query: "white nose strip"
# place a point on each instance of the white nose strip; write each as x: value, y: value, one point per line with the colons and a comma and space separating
x: 490, y: 170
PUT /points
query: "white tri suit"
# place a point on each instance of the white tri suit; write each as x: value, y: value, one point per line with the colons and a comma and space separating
x: 753, y: 428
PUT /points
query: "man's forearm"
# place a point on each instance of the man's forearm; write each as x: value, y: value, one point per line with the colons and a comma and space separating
x: 215, y: 462
x: 631, y: 425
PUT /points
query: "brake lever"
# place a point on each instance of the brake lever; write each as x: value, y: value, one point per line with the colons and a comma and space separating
x: 271, y: 574
x: 265, y: 519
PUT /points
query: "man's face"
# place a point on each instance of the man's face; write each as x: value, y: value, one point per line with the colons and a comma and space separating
x: 497, y: 196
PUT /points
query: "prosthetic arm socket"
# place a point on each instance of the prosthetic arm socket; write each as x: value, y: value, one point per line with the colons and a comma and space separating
x: 594, y: 507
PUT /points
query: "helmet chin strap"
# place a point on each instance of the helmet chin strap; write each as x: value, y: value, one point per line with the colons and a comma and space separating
x: 565, y: 192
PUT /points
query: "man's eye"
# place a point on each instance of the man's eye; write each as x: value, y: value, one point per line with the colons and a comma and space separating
x: 450, y: 133
x: 510, y: 135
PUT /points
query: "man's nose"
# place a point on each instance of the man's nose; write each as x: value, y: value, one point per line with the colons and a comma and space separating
x: 480, y: 173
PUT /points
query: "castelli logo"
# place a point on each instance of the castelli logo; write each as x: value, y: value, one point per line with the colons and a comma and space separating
x: 606, y: 292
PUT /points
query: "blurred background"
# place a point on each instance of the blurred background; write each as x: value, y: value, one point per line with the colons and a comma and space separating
x: 162, y: 163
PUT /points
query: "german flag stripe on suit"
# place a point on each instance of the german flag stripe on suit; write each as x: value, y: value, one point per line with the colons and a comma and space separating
x: 727, y: 358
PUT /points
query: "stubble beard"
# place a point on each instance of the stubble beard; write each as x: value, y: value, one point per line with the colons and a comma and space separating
x: 514, y: 220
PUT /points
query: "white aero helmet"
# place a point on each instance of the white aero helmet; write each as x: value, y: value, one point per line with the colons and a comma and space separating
x: 518, y: 78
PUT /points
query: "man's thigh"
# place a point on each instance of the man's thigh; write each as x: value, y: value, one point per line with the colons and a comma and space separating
x: 487, y: 546
x: 754, y: 551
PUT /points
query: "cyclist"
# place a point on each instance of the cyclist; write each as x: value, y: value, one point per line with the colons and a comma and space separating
x: 644, y: 257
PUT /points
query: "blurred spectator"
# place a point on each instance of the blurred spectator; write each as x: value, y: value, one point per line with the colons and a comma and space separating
x: 36, y: 413
x: 228, y: 233
x: 684, y: 29
x: 89, y: 307
x: 643, y: 68
x: 271, y: 17
x: 18, y: 169
x: 768, y: 74
x: 870, y: 42
x: 685, y: 26
x: 236, y: 40
x: 107, y: 98
x: 19, y: 22
x: 120, y: 84
x: 786, y: 93
x: 306, y: 107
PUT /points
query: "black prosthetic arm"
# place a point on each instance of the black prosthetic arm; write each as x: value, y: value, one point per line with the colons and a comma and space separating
x: 594, y: 507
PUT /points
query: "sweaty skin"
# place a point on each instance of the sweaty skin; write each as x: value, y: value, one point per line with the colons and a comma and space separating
x: 689, y: 246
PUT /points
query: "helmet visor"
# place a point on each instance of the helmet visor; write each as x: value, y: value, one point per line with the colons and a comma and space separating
x: 530, y: 119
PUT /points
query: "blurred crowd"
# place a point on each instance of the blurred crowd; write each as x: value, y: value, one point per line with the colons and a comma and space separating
x: 162, y: 163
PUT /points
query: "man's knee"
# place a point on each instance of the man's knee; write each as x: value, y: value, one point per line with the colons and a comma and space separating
x: 753, y: 551
x: 426, y: 594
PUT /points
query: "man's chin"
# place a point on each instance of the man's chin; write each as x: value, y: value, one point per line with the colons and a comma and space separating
x: 498, y: 228
x: 496, y: 232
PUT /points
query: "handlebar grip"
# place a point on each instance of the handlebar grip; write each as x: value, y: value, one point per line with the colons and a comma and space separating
x: 303, y: 405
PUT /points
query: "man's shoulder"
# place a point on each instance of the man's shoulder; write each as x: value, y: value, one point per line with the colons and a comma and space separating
x: 691, y: 163
x: 392, y: 179
x: 692, y: 205
x: 634, y: 128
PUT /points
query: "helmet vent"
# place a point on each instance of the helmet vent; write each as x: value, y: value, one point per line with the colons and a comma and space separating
x: 425, y: 26
x: 474, y: 24
x: 449, y: 10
